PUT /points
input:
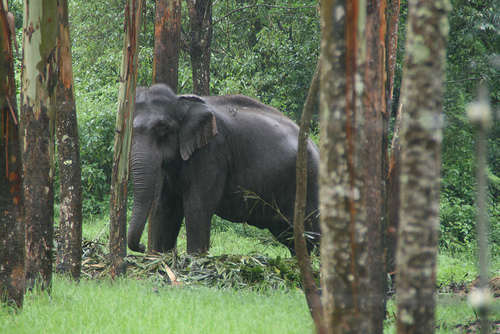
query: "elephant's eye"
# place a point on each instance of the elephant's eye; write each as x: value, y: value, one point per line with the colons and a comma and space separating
x: 161, y: 130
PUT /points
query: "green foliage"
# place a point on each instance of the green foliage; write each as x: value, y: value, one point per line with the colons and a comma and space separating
x: 268, y: 52
x: 458, y: 221
x: 474, y: 41
x: 96, y: 120
x: 96, y: 31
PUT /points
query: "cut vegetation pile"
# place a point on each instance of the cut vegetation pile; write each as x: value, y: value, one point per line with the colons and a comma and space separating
x: 254, y: 271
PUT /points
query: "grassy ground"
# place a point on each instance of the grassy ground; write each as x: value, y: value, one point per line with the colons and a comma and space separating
x: 146, y: 304
x: 132, y: 306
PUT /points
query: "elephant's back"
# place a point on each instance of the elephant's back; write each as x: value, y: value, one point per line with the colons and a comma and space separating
x: 229, y: 103
x: 249, y: 117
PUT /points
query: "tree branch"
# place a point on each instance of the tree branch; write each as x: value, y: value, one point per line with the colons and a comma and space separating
x: 310, y: 288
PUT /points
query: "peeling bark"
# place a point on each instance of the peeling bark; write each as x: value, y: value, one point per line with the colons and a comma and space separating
x: 12, y: 228
x: 344, y: 252
x: 167, y: 42
x: 123, y: 138
x: 421, y: 165
x: 166, y: 54
x: 38, y: 80
x: 69, y: 246
x: 372, y: 68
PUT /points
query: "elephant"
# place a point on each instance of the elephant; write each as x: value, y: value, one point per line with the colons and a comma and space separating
x: 232, y: 156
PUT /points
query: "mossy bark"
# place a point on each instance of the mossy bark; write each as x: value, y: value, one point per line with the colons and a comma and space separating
x: 421, y: 165
x: 69, y: 245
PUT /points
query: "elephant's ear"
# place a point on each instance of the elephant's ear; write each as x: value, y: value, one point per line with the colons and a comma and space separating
x: 198, y: 128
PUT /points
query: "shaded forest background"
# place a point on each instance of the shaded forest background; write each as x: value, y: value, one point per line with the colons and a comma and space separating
x: 269, y: 50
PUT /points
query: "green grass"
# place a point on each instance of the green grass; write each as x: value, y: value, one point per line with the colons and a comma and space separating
x: 452, y: 312
x: 135, y: 305
x: 131, y: 306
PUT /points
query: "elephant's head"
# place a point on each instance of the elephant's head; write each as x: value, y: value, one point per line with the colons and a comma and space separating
x: 167, y: 129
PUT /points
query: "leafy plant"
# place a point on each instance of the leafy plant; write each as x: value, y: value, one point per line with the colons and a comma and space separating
x: 96, y: 119
x: 458, y: 221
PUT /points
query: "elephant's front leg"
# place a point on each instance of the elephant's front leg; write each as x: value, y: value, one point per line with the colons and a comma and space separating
x: 200, y: 205
x: 165, y: 219
x: 198, y: 231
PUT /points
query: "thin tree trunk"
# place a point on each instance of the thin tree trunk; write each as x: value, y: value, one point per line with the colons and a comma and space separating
x: 123, y: 138
x: 392, y: 200
x: 12, y: 228
x: 374, y: 106
x: 393, y: 8
x: 69, y: 246
x: 37, y: 135
x: 310, y: 288
x: 167, y: 42
x: 480, y: 116
x: 200, y: 43
x: 421, y: 165
x: 393, y: 189
x: 346, y: 279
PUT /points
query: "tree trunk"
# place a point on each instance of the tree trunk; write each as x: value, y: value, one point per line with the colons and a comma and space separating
x: 372, y: 68
x: 479, y: 114
x: 392, y: 199
x: 167, y: 40
x: 421, y: 165
x: 346, y: 279
x: 166, y: 52
x: 123, y: 138
x: 200, y: 42
x: 69, y: 246
x: 12, y: 228
x: 393, y: 190
x: 310, y: 288
x: 38, y: 81
x: 391, y: 41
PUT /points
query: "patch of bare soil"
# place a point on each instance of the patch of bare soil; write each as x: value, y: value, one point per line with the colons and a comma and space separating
x: 475, y: 327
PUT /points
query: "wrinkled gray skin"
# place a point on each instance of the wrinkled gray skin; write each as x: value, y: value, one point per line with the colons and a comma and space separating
x: 193, y: 157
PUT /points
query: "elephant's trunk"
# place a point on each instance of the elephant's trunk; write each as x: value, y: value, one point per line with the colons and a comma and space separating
x: 145, y: 172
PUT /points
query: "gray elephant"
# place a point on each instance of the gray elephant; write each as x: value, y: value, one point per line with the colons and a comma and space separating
x: 233, y: 156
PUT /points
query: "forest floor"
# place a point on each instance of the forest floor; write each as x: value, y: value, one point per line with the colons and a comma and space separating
x: 462, y: 290
x: 254, y: 272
